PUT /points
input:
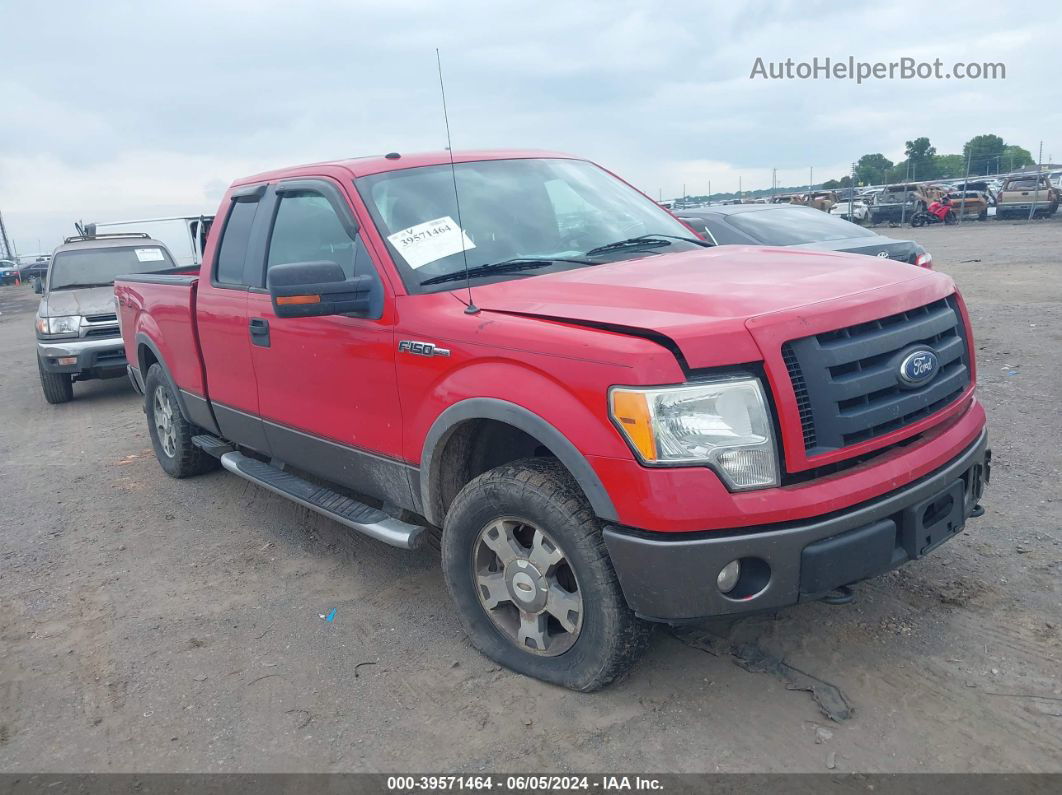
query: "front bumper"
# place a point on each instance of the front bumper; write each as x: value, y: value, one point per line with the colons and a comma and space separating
x: 669, y: 578
x: 103, y: 356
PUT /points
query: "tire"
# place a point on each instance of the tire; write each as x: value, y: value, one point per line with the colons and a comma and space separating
x: 539, y: 494
x: 171, y: 434
x: 918, y: 219
x: 58, y: 388
x: 950, y: 219
x: 983, y: 216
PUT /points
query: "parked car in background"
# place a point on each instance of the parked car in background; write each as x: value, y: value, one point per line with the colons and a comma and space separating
x: 603, y: 425
x: 969, y: 203
x: 799, y: 227
x: 821, y: 200
x: 8, y: 271
x: 77, y: 327
x: 855, y: 211
x: 33, y: 272
x: 897, y: 203
x: 184, y: 237
x: 1019, y: 195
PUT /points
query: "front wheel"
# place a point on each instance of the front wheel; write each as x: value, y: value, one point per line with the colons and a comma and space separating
x: 950, y: 218
x: 171, y: 434
x: 533, y: 584
x: 58, y: 388
x: 918, y: 219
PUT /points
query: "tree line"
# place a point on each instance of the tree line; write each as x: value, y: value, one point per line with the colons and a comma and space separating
x: 987, y: 154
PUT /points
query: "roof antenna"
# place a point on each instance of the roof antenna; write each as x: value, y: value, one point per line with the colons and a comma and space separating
x: 471, y: 309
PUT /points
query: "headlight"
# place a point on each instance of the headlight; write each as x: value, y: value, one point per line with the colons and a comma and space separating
x: 723, y: 424
x: 68, y: 324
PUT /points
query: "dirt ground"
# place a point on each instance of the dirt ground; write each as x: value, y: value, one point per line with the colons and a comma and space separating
x: 148, y: 624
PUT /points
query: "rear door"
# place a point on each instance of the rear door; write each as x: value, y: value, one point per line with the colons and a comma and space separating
x: 221, y: 312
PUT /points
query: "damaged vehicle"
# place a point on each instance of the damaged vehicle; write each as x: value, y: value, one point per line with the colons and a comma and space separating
x: 602, y: 420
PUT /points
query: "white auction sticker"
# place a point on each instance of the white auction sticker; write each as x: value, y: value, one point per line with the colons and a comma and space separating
x: 430, y: 241
x: 149, y: 254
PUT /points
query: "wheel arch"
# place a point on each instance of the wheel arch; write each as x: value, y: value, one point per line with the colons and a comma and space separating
x: 147, y: 354
x: 434, y: 491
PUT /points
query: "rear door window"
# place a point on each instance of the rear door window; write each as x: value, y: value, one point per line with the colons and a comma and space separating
x: 235, y: 238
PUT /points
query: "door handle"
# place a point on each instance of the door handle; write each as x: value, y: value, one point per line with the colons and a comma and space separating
x: 259, y: 327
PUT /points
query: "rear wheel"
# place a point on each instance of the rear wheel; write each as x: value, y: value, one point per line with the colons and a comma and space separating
x: 534, y: 587
x: 949, y: 218
x: 171, y: 434
x: 57, y: 387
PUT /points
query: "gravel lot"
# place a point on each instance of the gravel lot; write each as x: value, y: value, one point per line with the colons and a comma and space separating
x: 150, y: 624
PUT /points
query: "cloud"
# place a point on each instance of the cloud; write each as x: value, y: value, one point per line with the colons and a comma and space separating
x: 116, y: 107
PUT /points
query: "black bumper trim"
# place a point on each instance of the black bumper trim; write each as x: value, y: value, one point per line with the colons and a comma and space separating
x: 672, y: 577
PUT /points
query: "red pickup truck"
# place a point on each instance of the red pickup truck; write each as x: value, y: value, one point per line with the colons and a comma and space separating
x: 604, y: 421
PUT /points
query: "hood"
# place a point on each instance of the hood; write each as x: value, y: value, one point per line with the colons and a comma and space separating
x: 85, y: 301
x: 701, y: 300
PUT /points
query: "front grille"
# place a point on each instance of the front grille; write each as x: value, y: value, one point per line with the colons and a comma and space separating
x: 111, y: 318
x: 846, y: 381
x: 106, y: 331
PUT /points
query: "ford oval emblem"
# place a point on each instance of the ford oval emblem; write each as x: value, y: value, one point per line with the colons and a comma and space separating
x: 883, y: 253
x: 918, y: 367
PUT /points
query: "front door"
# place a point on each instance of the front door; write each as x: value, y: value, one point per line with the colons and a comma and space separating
x: 327, y: 388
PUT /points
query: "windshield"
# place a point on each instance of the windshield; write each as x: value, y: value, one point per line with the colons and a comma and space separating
x: 791, y: 226
x: 92, y: 267
x: 510, y: 210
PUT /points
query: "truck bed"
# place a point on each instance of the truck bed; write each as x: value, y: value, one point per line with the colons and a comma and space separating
x: 157, y: 311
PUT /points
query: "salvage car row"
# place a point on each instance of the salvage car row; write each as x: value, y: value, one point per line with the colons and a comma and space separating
x: 605, y: 416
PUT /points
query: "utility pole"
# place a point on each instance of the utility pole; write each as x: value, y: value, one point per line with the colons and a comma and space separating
x: 851, y: 196
x: 1039, y: 168
x: 6, y: 251
x: 741, y: 193
x: 962, y: 201
x: 709, y: 193
x: 811, y: 178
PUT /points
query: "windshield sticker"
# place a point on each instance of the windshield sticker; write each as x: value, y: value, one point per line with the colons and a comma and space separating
x: 430, y: 241
x: 149, y: 254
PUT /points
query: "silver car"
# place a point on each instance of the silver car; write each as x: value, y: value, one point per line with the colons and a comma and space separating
x: 77, y: 328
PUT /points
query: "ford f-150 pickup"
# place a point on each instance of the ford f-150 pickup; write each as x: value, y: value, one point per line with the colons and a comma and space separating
x: 602, y: 420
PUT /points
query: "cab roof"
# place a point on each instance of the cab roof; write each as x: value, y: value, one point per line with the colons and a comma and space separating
x: 376, y: 164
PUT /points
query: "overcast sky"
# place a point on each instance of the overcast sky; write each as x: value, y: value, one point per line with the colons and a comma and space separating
x: 115, y: 110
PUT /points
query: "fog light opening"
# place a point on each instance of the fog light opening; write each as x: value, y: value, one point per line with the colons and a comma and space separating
x: 750, y: 577
x: 728, y: 576
x: 66, y: 360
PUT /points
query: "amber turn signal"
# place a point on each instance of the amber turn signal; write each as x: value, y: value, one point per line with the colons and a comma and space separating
x: 288, y: 300
x: 631, y: 411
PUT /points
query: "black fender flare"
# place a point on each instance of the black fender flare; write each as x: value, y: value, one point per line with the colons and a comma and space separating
x: 144, y: 341
x: 528, y: 422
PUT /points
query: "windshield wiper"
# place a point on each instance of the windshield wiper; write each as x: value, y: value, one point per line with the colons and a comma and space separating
x: 505, y: 266
x: 654, y: 240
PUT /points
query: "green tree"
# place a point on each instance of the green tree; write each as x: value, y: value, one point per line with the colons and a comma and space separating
x: 984, y: 152
x: 872, y: 169
x: 1014, y: 156
x: 920, y: 154
x: 951, y: 166
x: 831, y: 183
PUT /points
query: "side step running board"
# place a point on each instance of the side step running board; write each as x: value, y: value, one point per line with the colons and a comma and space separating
x: 355, y: 515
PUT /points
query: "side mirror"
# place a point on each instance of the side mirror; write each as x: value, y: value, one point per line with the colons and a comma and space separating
x: 314, y: 289
x: 38, y: 285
